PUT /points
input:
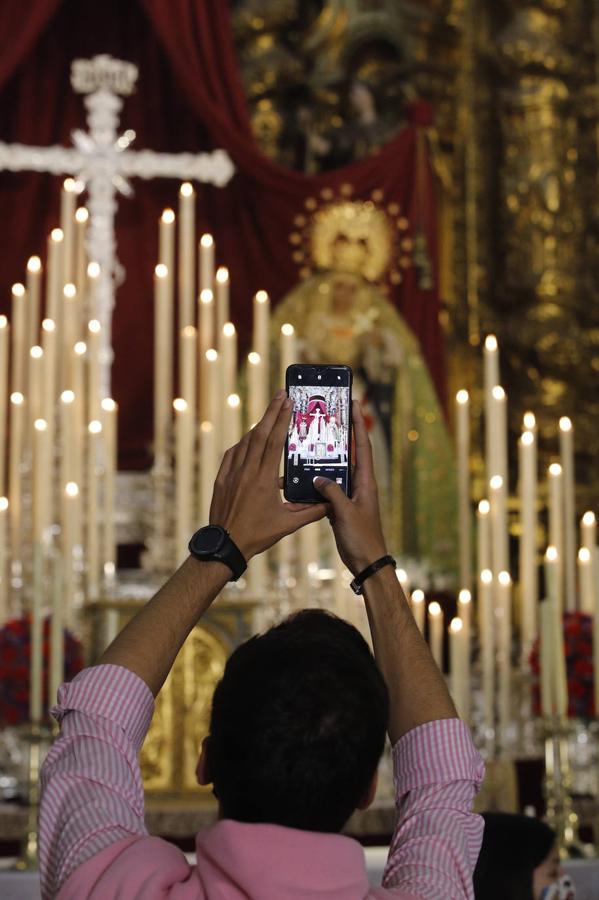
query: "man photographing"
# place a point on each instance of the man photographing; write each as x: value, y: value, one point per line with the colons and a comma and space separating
x: 297, y: 726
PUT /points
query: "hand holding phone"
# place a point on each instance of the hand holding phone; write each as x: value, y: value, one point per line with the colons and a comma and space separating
x: 319, y: 437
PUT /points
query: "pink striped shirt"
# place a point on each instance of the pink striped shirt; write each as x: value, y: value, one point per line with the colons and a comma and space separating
x: 93, y: 843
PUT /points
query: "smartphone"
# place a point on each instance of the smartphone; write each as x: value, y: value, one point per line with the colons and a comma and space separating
x: 319, y: 437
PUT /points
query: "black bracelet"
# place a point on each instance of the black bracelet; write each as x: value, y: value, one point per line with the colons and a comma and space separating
x: 357, y: 584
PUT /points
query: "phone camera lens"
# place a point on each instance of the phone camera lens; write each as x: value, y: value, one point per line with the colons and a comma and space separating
x: 319, y: 377
x: 299, y: 377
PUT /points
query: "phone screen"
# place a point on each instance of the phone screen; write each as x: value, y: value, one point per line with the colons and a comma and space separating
x: 319, y: 438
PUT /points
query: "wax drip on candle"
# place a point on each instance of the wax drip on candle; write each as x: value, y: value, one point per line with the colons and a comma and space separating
x: 81, y: 215
x: 34, y: 264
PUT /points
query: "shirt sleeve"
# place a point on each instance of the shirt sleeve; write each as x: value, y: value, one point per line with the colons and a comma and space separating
x: 91, y: 787
x: 437, y: 772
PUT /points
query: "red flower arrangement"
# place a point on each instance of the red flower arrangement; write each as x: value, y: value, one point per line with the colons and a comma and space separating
x: 578, y: 645
x: 15, y: 656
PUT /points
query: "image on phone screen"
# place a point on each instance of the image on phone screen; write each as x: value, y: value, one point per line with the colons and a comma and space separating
x: 319, y: 438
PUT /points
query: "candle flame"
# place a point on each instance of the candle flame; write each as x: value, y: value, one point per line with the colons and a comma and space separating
x: 527, y: 438
x: 254, y: 358
x: 18, y: 289
x: 222, y: 274
x: 160, y: 271
x: 551, y: 553
x: 206, y: 240
x: 456, y: 625
x: 57, y: 235
x: 17, y: 398
x: 491, y: 343
x: 40, y: 425
x: 211, y: 355
x: 584, y: 555
x: 108, y: 404
x: 80, y: 348
x: 233, y: 401
x: 206, y: 296
x: 589, y: 518
x: 168, y: 216
x: 3, y: 504
x: 94, y: 427
x: 565, y: 424
x: 69, y: 185
x: 81, y: 215
x: 186, y: 190
x: 3, y: 322
x: 555, y: 470
x: 69, y: 291
x: 529, y: 420
x: 36, y: 352
x: 71, y: 489
x: 93, y: 270
x: 94, y: 326
x: 402, y: 576
x: 261, y: 297
x: 498, y: 392
x: 34, y: 264
x: 49, y: 325
x: 484, y: 507
x: 496, y: 482
x: 206, y: 427
x: 462, y: 397
x: 67, y: 396
x: 486, y: 576
x: 504, y: 578
x: 464, y: 596
x: 189, y: 331
x: 417, y: 596
x: 228, y: 329
x: 179, y: 404
x: 434, y: 609
x: 287, y: 329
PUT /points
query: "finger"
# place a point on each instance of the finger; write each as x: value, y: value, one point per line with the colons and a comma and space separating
x: 276, y: 440
x: 364, y: 469
x: 241, y: 450
x: 260, y: 433
x: 281, y: 483
x: 331, y: 492
x: 225, y: 466
x: 299, y: 517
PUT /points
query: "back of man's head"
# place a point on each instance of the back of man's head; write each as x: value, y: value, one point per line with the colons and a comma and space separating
x: 298, y: 725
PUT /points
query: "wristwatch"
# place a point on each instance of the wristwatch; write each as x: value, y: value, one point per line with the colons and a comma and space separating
x: 212, y: 542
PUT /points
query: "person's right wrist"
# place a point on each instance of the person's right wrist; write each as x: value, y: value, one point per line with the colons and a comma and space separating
x: 366, y: 559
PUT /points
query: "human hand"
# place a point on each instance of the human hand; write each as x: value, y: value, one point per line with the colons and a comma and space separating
x: 357, y: 521
x: 247, y: 500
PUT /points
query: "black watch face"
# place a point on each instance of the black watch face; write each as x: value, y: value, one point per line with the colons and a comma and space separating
x: 209, y: 539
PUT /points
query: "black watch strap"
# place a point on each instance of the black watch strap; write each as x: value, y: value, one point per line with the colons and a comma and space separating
x: 228, y: 553
x: 357, y: 585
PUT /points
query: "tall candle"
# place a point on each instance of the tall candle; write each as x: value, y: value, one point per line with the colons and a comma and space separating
x: 498, y: 516
x: 504, y: 613
x: 556, y: 526
x: 4, y: 341
x: 462, y: 413
x: 55, y: 281
x: 163, y: 361
x: 487, y: 644
x: 458, y: 671
x: 17, y: 424
x: 256, y: 402
x: 70, y: 331
x: 166, y: 241
x: 186, y: 254
x: 527, y: 455
x: 288, y: 350
x: 92, y: 521
x: 566, y: 441
x: 206, y: 263
x: 36, y: 382
x: 586, y: 581
x: 49, y: 384
x: 435, y: 632
x: 588, y: 530
x: 78, y: 365
x: 33, y: 285
x: 36, y: 651
x: 68, y: 199
x: 19, y: 334
x: 558, y: 656
x: 206, y: 342
x: 183, y: 477
x: 80, y: 270
x: 417, y: 605
x: 41, y: 482
x: 546, y: 658
x: 68, y: 436
x: 208, y: 456
x: 92, y: 310
x: 109, y: 419
x: 261, y: 331
x: 212, y: 378
x: 232, y: 421
x: 491, y: 379
x: 4, y: 559
x: 94, y: 398
x: 70, y: 526
x: 465, y: 611
x: 56, y: 631
x: 187, y: 366
x: 222, y: 299
x: 229, y: 360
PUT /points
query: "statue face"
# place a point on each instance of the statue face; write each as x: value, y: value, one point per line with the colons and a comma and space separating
x: 343, y: 295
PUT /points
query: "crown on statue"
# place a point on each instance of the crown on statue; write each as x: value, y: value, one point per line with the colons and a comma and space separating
x: 103, y: 72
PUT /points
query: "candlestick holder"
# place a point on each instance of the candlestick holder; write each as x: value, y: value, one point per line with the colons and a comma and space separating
x: 558, y: 786
x: 37, y: 739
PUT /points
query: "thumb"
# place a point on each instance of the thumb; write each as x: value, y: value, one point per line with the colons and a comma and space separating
x: 330, y: 490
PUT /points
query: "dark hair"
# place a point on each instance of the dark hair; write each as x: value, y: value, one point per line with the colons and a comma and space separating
x: 513, y: 847
x: 298, y: 725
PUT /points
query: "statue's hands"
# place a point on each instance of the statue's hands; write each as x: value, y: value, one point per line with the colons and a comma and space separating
x: 247, y: 499
x: 356, y: 522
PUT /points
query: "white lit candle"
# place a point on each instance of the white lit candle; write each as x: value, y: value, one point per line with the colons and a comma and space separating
x: 256, y: 402
x: 92, y: 521
x: 94, y: 398
x: 491, y: 379
x: 70, y: 331
x: 261, y: 330
x: 188, y: 340
x: 4, y: 354
x: 435, y: 632
x: 56, y: 631
x: 487, y: 645
x: 183, y: 477
x: 458, y: 669
x: 42, y: 482
x: 55, y: 281
x: 208, y: 456
x: 33, y: 285
x: 166, y: 241
x: 417, y: 605
x: 566, y: 442
x: 588, y: 530
x: 4, y: 559
x: 288, y: 350
x: 36, y: 649
x: 17, y: 424
x: 546, y: 658
x: 214, y: 403
x: 36, y: 382
x: 80, y: 272
x: 556, y: 526
x: 186, y: 254
x: 68, y: 198
x: 69, y: 529
x: 109, y: 419
x: 232, y: 420
x: 68, y: 436
x: 558, y: 656
x: 49, y: 384
x: 462, y: 414
x: 206, y: 263
x: 229, y: 360
x: 206, y: 342
x: 586, y: 581
x: 163, y: 360
x: 498, y: 517
x: 527, y: 455
x: 504, y: 614
x: 78, y: 366
x: 18, y: 327
x: 465, y: 611
x: 222, y: 299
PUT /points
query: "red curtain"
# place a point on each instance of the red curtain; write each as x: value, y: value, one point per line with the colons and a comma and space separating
x: 189, y: 97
